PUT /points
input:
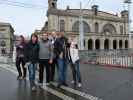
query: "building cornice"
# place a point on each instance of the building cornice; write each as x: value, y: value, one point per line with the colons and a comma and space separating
x: 112, y: 18
x: 99, y: 34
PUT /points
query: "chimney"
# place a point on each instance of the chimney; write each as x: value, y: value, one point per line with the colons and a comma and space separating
x: 68, y: 7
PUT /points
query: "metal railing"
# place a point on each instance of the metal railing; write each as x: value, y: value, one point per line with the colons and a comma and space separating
x: 119, y: 58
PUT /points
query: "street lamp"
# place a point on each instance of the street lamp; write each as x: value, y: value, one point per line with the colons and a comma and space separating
x: 81, y: 29
x: 128, y: 2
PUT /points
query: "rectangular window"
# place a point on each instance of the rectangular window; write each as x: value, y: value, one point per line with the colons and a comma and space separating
x: 62, y: 25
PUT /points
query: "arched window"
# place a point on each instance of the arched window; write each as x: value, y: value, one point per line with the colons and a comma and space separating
x: 97, y: 44
x: 90, y: 44
x: 114, y: 44
x: 109, y: 28
x: 106, y: 44
x: 3, y: 51
x: 84, y: 43
x: 62, y: 25
x: 96, y: 27
x: 86, y: 27
x: 120, y: 44
x: 121, y: 29
x: 3, y: 43
x: 126, y: 44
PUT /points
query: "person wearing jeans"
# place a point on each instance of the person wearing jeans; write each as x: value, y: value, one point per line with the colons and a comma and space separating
x: 32, y: 58
x: 32, y: 71
x: 62, y: 57
x: 54, y: 65
x: 62, y: 64
x: 75, y: 64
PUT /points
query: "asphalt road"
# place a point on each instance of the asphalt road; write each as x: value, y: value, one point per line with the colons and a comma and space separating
x: 99, y: 83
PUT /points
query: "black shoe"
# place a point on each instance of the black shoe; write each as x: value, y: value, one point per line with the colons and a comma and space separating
x: 65, y: 84
x: 17, y: 77
x: 59, y: 85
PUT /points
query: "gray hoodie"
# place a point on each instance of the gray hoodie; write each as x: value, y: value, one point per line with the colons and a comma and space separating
x: 46, y: 50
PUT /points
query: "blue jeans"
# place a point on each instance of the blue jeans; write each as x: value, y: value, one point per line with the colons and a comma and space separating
x: 62, y: 69
x: 32, y: 73
x: 77, y: 70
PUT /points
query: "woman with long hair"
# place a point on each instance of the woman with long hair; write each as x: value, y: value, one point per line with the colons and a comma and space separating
x: 20, y: 57
x: 32, y: 57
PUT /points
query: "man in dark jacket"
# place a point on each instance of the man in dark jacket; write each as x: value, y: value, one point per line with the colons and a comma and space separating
x: 62, y: 54
x: 32, y: 57
x: 54, y: 65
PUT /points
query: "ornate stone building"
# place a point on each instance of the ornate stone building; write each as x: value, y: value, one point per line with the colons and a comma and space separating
x: 6, y: 38
x: 102, y: 30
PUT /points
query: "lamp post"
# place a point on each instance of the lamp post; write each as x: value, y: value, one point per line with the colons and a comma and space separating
x: 81, y: 30
x: 128, y: 2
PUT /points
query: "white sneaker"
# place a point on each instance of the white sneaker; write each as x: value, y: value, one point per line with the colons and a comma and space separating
x: 46, y: 84
x: 40, y: 84
x: 33, y: 88
x: 72, y: 82
x: 79, y: 85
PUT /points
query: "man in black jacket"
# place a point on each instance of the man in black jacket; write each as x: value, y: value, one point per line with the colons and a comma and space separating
x: 60, y: 47
x: 54, y: 64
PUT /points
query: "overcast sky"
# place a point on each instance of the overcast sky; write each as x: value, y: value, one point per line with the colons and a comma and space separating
x: 26, y: 20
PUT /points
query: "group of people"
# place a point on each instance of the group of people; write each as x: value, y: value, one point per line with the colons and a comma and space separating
x: 51, y: 51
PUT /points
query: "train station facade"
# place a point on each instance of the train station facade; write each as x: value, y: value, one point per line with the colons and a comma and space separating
x: 102, y: 30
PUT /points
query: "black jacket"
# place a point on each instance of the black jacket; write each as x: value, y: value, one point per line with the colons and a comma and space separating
x: 61, y: 45
x: 32, y: 52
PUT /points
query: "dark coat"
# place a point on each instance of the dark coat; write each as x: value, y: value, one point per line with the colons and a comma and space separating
x: 32, y: 52
x: 61, y: 45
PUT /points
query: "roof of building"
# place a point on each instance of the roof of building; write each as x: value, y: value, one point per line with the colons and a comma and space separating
x: 85, y: 13
x: 6, y: 24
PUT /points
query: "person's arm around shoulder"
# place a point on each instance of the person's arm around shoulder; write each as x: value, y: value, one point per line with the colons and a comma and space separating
x: 26, y: 53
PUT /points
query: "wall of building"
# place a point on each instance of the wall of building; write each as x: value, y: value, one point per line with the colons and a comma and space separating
x: 54, y: 24
x: 6, y: 34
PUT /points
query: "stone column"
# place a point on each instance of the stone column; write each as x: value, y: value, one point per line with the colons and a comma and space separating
x: 118, y: 47
x: 102, y: 44
x: 111, y: 44
x: 86, y: 44
x: 94, y: 46
x: 123, y: 44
